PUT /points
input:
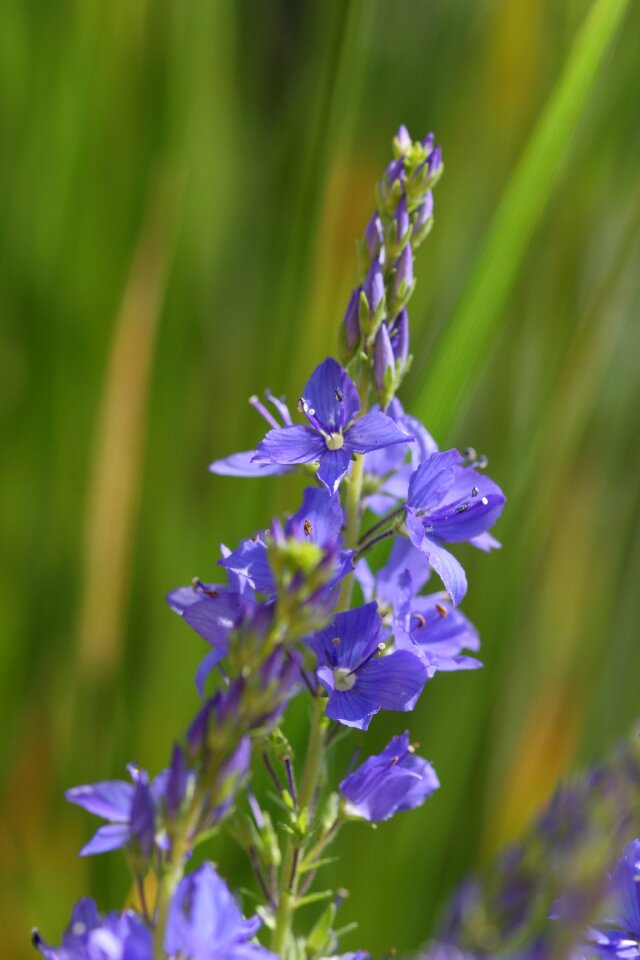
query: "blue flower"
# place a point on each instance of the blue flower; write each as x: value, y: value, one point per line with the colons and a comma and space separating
x: 129, y: 808
x: 450, y: 502
x: 619, y: 936
x: 319, y: 520
x: 205, y: 923
x: 393, y: 781
x: 428, y: 625
x: 359, y: 682
x: 214, y: 611
x: 118, y: 936
x: 333, y: 432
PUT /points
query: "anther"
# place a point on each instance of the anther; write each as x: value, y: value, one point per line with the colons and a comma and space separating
x: 301, y: 405
x: 421, y: 620
x: 442, y: 610
x: 36, y: 939
x: 474, y: 492
x: 336, y: 641
x: 469, y: 453
x: 481, y: 463
x: 413, y: 747
x: 462, y: 508
x: 339, y: 395
x: 211, y: 593
x: 485, y: 501
x: 394, y: 760
x: 254, y: 538
x: 308, y: 528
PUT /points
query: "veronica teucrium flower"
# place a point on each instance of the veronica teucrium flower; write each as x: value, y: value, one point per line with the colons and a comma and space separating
x: 393, y: 781
x: 205, y: 922
x: 213, y: 611
x: 333, y: 432
x: 359, y: 681
x: 129, y: 808
x: 450, y: 502
x: 319, y: 520
x: 619, y: 934
x: 118, y: 936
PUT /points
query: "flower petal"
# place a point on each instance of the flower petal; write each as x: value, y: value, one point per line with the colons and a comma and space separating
x: 250, y: 561
x: 318, y: 520
x: 243, y: 465
x: 111, y: 837
x: 433, y: 479
x: 351, y: 708
x: 448, y: 569
x: 485, y: 542
x: 393, y: 682
x: 373, y: 431
x: 291, y: 445
x: 333, y: 466
x: 204, y: 669
x: 325, y: 386
x: 110, y: 799
x: 357, y: 632
x: 214, y: 617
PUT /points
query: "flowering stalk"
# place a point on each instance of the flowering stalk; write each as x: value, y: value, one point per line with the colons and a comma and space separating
x: 283, y: 625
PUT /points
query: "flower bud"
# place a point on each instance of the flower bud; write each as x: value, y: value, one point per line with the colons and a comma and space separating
x: 351, y: 325
x: 400, y: 227
x: 401, y: 141
x: 403, y: 282
x: 374, y: 236
x: 400, y: 340
x: 422, y: 220
x: 373, y: 293
x: 142, y: 824
x: 383, y: 357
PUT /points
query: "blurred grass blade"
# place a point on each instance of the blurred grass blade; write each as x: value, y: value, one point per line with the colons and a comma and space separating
x: 467, y: 338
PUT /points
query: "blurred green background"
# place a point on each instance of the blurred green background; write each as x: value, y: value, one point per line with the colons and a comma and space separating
x: 182, y: 185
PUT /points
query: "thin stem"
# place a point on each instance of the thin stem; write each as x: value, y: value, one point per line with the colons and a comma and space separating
x: 274, y: 776
x: 142, y: 897
x: 255, y: 863
x: 288, y: 871
x: 372, y: 543
x: 381, y: 523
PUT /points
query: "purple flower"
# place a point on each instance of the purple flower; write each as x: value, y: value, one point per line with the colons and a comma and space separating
x: 450, y: 502
x: 129, y: 808
x: 440, y: 633
x: 214, y: 611
x: 333, y: 434
x: 205, y: 923
x: 389, y: 467
x: 619, y: 936
x: 319, y: 520
x: 389, y: 783
x: 118, y: 936
x: 358, y: 681
x: 424, y: 212
x: 243, y: 464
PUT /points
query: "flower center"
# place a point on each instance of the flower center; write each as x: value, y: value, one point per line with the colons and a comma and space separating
x: 335, y: 441
x: 344, y: 679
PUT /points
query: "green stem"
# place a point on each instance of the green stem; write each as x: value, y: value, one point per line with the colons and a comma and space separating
x: 288, y: 879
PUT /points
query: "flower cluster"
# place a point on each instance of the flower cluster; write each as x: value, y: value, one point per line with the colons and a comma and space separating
x: 282, y: 624
x: 559, y: 891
